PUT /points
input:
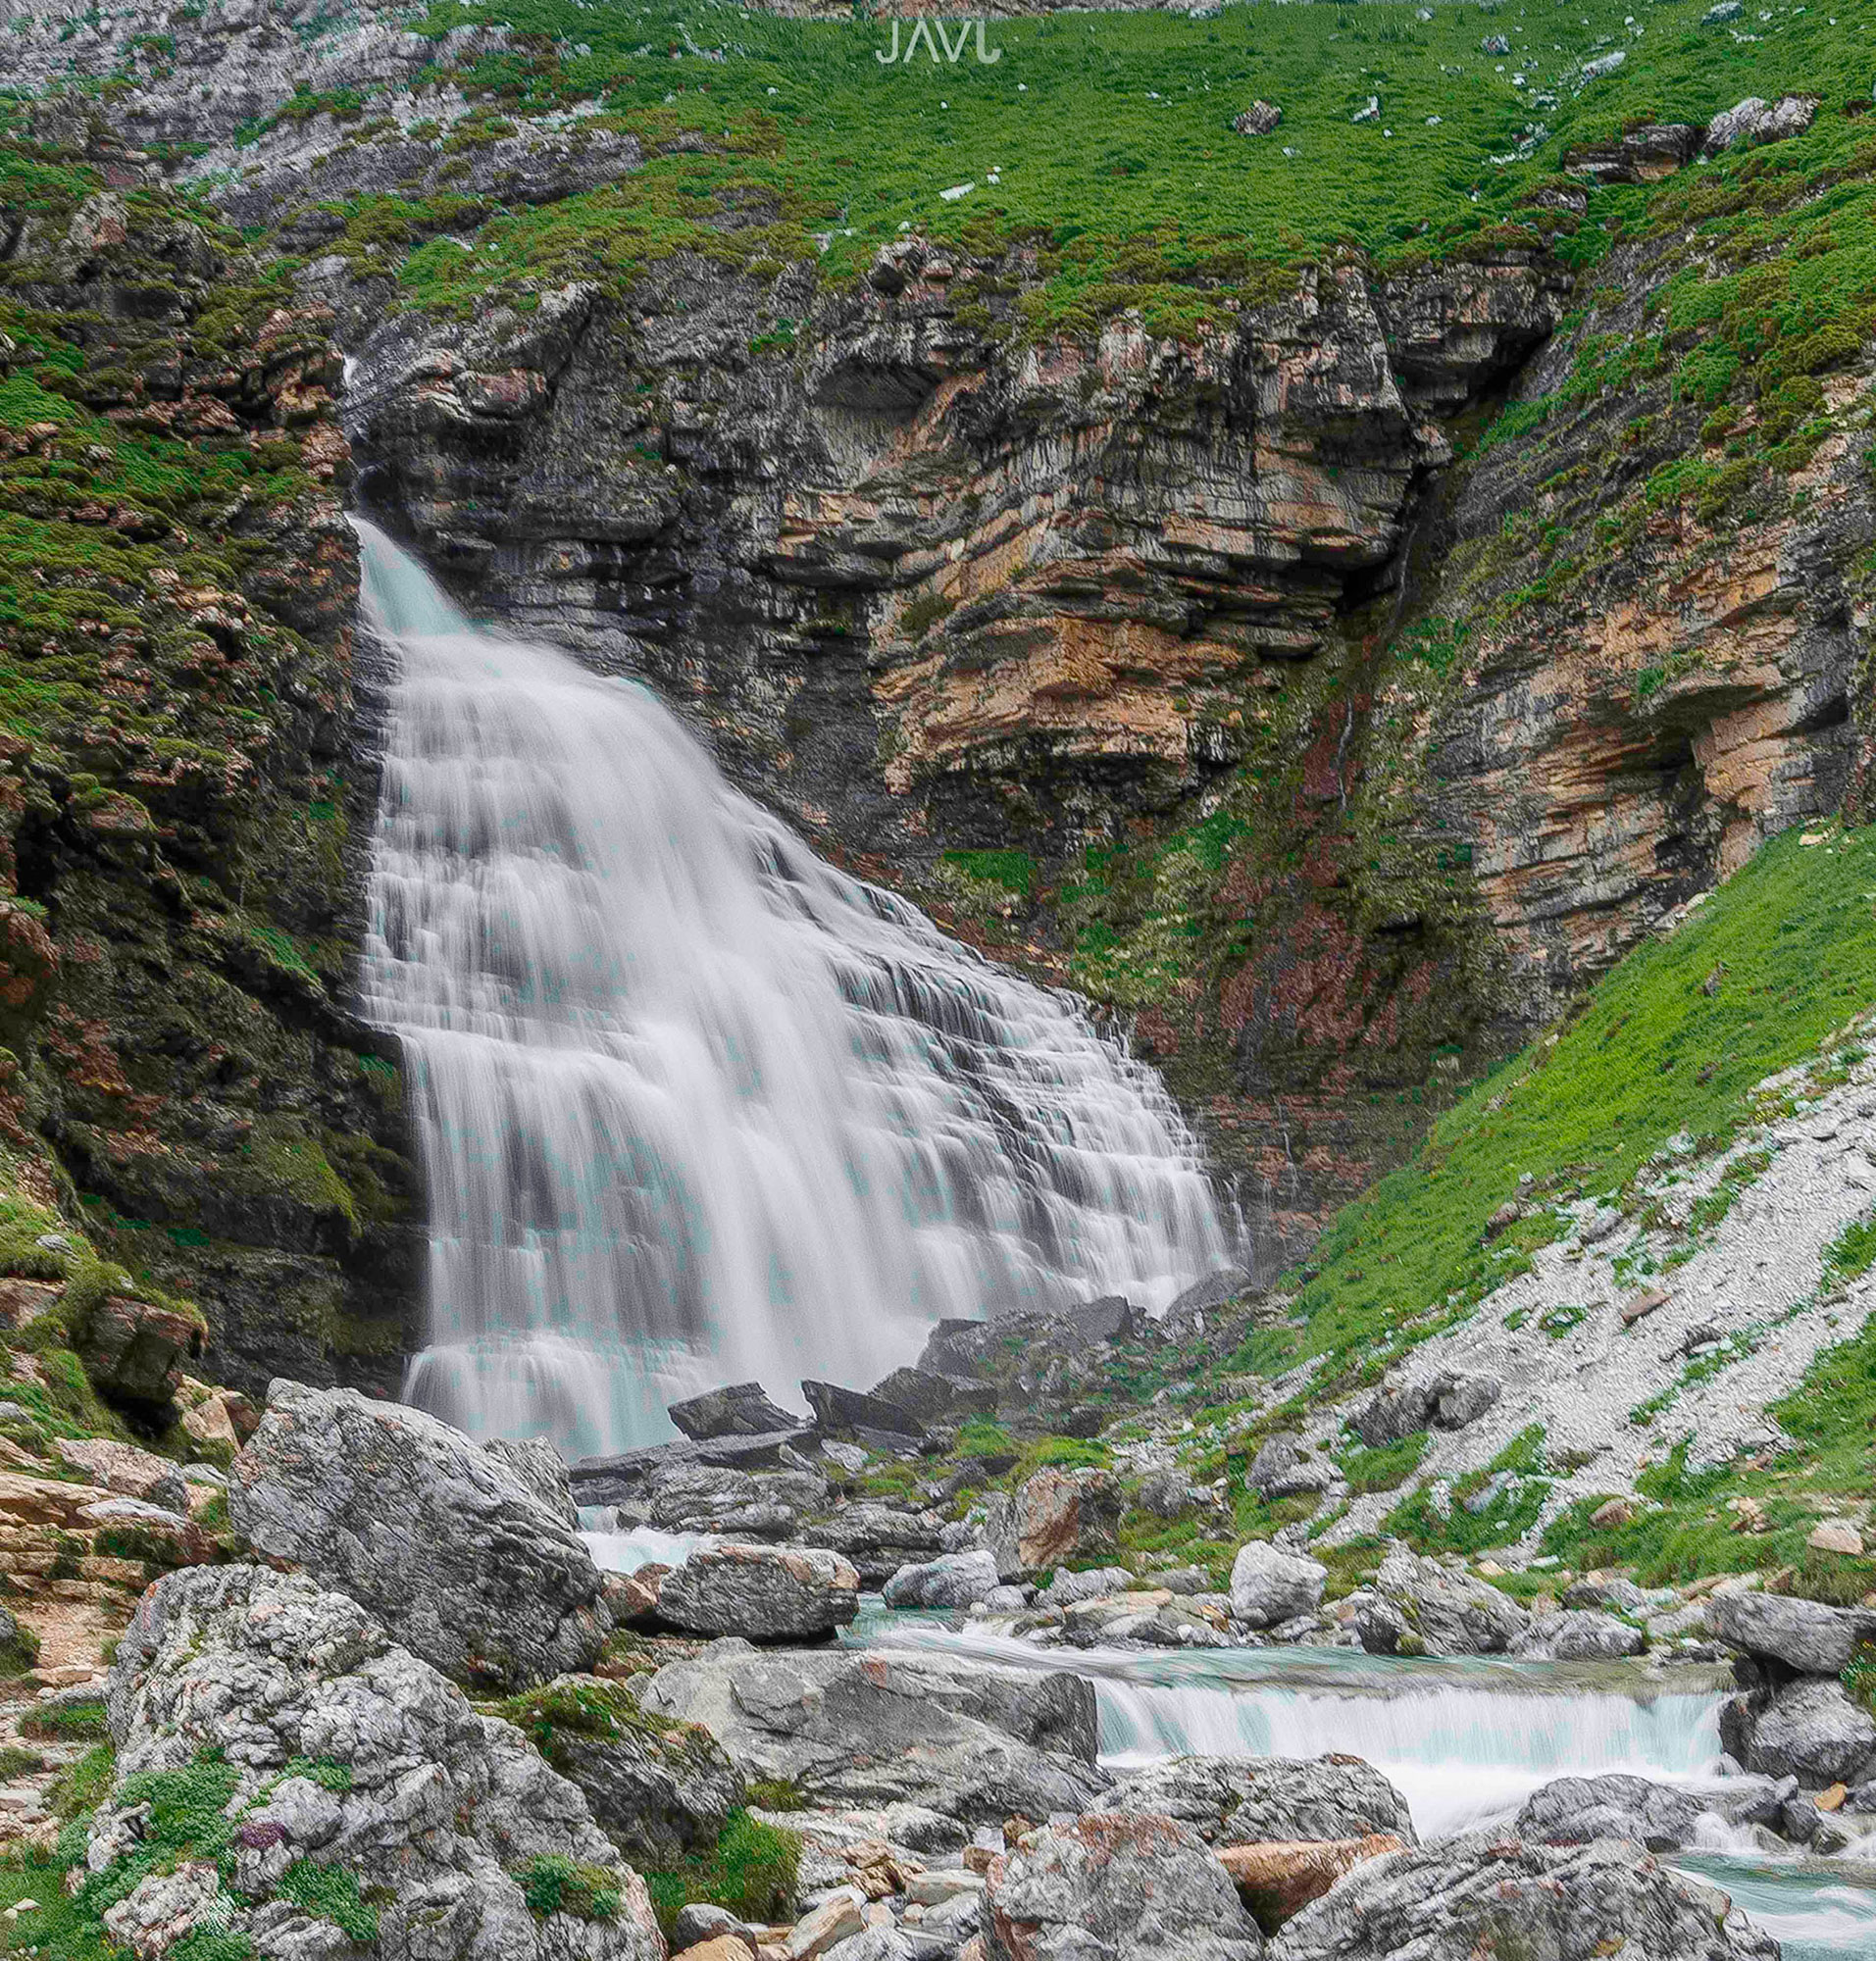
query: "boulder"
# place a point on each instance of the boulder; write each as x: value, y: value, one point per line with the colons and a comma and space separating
x: 1755, y: 121
x: 935, y: 1398
x: 743, y: 1409
x: 1812, y: 1728
x: 659, y: 1788
x: 1283, y: 1469
x: 128, y: 1471
x: 625, y: 1479
x: 1170, y: 1495
x: 1269, y: 1585
x: 953, y: 1579
x: 762, y: 1592
x: 134, y: 1351
x: 1578, y: 1634
x: 1095, y: 1582
x: 956, y: 1349
x: 542, y: 1470
x: 1449, y: 1400
x: 965, y: 1738
x: 1111, y: 1318
x: 438, y: 1537
x: 247, y: 1677
x: 1803, y: 1636
x: 1574, y: 1811
x: 1444, y: 1611
x: 839, y: 1412
x: 1121, y: 1885
x: 1244, y: 1800
x: 878, y: 1540
x: 1055, y: 1517
x: 1259, y: 119
x: 1480, y: 1898
x: 1278, y: 1879
x: 1641, y: 156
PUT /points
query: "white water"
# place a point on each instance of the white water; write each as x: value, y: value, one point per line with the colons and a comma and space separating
x: 693, y: 1106
x: 1464, y: 1742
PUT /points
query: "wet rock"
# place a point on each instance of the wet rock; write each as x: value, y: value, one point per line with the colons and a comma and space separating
x: 1244, y: 1800
x: 627, y: 1477
x: 762, y: 1592
x: 969, y: 1740
x: 1055, y: 1517
x: 443, y: 1806
x: 1111, y: 1318
x: 1127, y: 1886
x: 1812, y: 1730
x: 742, y: 1409
x: 956, y: 1349
x: 952, y: 1580
x: 1574, y: 1811
x: 658, y: 1788
x: 935, y: 1398
x: 1805, y: 1637
x: 1754, y: 121
x: 542, y: 1470
x: 842, y: 1412
x: 1578, y: 1634
x: 1423, y: 1607
x: 1277, y: 1879
x: 1259, y: 119
x: 134, y: 1351
x: 1269, y: 1585
x: 1477, y: 1897
x: 434, y: 1536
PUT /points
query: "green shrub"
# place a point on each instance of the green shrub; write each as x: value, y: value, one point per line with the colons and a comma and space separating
x: 552, y: 1884
x: 750, y: 1871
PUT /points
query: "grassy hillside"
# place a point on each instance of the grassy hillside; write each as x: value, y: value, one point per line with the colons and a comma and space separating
x: 1104, y: 139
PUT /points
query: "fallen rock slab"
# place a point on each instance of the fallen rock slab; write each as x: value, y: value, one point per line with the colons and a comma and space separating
x: 742, y: 1409
x: 1804, y: 1636
x: 1575, y: 1811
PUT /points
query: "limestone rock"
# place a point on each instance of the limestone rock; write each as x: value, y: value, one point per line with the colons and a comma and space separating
x: 743, y: 1409
x: 969, y: 1740
x: 1448, y: 1611
x: 442, y: 1809
x: 1578, y: 1634
x: 952, y: 1580
x: 438, y: 1537
x: 1124, y: 1885
x: 877, y: 1539
x: 1259, y: 119
x: 1574, y: 1811
x: 1755, y: 121
x: 1277, y: 1878
x: 762, y: 1592
x: 1812, y: 1730
x: 1458, y: 1902
x: 658, y: 1788
x: 1055, y: 1517
x: 1283, y: 1470
x: 134, y: 1351
x: 1804, y: 1636
x: 543, y: 1472
x: 1242, y: 1800
x: 125, y: 1469
x: 1269, y: 1585
x: 844, y: 1412
x: 1639, y: 156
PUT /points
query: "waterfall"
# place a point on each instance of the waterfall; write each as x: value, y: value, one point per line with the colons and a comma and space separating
x: 691, y: 1105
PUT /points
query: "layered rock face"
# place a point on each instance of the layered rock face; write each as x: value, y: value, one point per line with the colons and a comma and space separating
x: 184, y: 787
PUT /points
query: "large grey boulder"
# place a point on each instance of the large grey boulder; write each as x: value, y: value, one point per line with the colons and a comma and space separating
x: 438, y: 1819
x: 762, y: 1592
x: 968, y: 1739
x: 878, y: 1539
x: 1257, y: 1800
x: 1447, y: 1400
x: 438, y: 1538
x: 1804, y: 1636
x: 953, y: 1579
x: 1812, y: 1730
x: 1574, y: 1811
x: 658, y: 1788
x: 1281, y: 1468
x: 1756, y: 121
x: 1117, y: 1886
x: 1578, y: 1634
x: 542, y: 1470
x: 1269, y: 1585
x: 840, y: 1411
x: 1436, y: 1610
x: 1479, y: 1897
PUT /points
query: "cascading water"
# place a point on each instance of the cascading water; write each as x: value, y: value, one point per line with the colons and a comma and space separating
x: 692, y: 1105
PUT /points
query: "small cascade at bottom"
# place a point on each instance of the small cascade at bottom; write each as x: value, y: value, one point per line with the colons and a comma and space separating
x: 1465, y: 1742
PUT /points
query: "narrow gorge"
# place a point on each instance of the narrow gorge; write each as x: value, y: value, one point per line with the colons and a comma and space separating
x: 937, y: 973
